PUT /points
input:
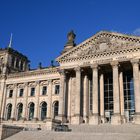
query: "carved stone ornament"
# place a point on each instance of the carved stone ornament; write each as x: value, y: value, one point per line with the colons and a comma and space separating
x: 106, y: 44
x: 44, y: 83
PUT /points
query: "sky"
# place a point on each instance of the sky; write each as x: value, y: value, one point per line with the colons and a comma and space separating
x: 40, y: 27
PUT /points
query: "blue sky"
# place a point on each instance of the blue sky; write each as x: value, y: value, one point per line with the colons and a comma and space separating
x: 40, y: 27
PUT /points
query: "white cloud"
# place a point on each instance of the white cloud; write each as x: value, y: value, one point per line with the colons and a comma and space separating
x: 137, y: 32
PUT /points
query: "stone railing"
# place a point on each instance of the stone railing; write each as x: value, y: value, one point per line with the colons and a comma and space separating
x: 7, y: 131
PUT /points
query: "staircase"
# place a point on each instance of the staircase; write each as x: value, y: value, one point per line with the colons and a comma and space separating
x: 84, y: 132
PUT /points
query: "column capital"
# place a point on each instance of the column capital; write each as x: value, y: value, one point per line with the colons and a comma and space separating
x: 94, y: 66
x: 26, y: 84
x: 50, y: 81
x: 37, y: 82
x: 134, y: 61
x: 114, y: 63
x: 77, y: 69
x: 62, y: 72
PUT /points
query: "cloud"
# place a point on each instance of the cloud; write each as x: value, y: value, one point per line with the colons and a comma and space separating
x: 137, y: 32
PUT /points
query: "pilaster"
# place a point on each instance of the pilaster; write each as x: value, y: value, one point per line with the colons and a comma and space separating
x: 13, y: 114
x: 49, y: 103
x: 37, y: 92
x: 25, y: 117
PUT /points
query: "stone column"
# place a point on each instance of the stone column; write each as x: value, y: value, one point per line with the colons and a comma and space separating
x: 135, y: 64
x: 37, y: 92
x: 62, y: 96
x: 77, y: 119
x: 94, y: 119
x: 14, y: 105
x: 69, y: 99
x: 85, y: 99
x: 121, y: 96
x: 102, y: 98
x: 116, y: 118
x: 25, y: 108
x: 49, y: 103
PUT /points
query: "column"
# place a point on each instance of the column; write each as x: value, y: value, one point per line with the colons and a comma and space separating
x: 77, y: 119
x: 116, y: 118
x: 49, y: 103
x: 85, y: 99
x: 37, y: 92
x: 121, y: 96
x: 14, y: 107
x: 69, y: 99
x: 135, y: 64
x: 102, y: 98
x: 62, y: 96
x: 94, y: 119
x: 25, y: 108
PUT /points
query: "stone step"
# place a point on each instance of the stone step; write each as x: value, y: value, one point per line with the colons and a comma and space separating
x: 106, y: 128
x: 43, y: 135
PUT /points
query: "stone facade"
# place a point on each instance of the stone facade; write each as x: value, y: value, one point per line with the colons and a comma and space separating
x: 96, y: 82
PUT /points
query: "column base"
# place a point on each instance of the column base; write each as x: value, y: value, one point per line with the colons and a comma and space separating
x: 62, y: 118
x: 102, y: 119
x: 123, y: 119
x: 137, y: 118
x: 116, y: 119
x: 85, y: 119
x: 94, y: 119
x: 49, y: 124
x: 35, y: 119
x: 76, y: 119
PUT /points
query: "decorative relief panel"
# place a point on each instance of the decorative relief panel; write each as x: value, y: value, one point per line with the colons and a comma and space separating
x: 33, y: 84
x: 42, y: 83
x: 107, y: 45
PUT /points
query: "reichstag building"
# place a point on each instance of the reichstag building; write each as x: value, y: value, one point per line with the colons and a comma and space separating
x: 96, y: 82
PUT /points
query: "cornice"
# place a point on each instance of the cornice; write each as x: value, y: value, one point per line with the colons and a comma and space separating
x: 103, y: 54
x: 37, y: 72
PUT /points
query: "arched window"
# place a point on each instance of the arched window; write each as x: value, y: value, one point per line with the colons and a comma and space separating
x: 43, y: 110
x: 19, y: 111
x: 9, y: 110
x: 31, y: 111
x: 55, y: 108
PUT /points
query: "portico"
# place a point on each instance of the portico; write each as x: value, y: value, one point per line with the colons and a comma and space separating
x: 99, y: 93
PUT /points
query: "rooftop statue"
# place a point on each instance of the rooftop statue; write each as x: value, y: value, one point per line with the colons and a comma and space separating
x: 71, y: 37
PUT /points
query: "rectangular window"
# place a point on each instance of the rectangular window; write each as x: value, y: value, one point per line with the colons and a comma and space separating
x: 32, y: 92
x: 44, y: 90
x: 57, y: 89
x: 21, y: 92
x: 10, y: 93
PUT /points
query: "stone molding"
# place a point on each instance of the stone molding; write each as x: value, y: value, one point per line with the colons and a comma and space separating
x: 34, y: 73
x: 135, y: 61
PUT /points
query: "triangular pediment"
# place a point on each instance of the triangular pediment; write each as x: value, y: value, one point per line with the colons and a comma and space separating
x: 101, y: 42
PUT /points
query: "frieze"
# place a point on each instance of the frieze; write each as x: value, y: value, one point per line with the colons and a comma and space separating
x: 105, y: 61
x: 107, y: 46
